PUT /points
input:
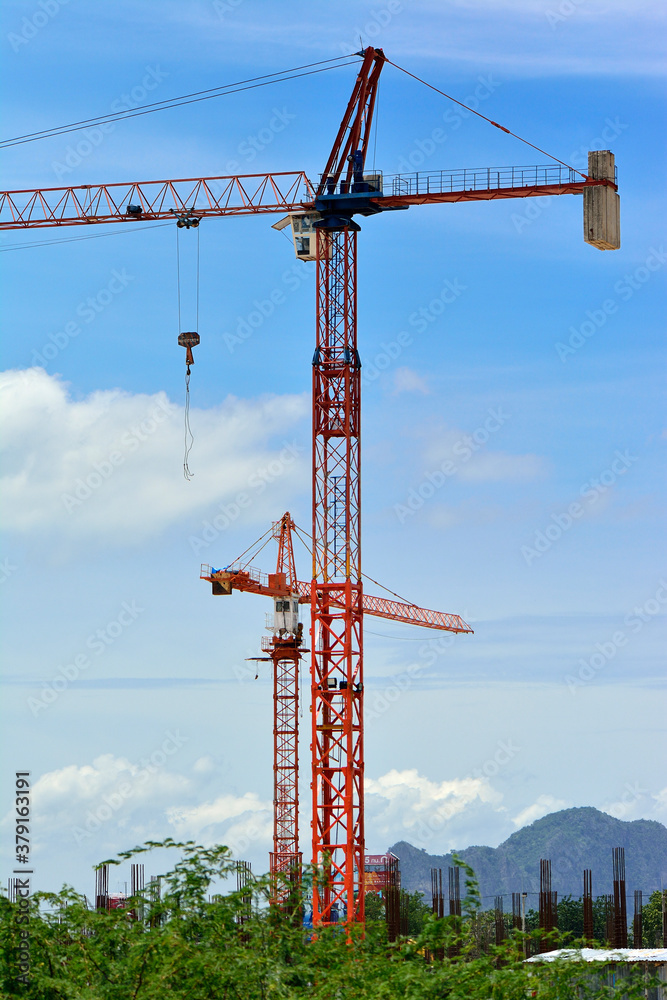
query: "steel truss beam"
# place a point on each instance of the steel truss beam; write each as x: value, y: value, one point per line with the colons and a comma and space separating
x: 153, y: 200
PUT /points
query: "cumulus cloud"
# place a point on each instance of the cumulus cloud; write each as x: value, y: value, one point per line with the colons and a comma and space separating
x: 405, y: 803
x: 210, y: 822
x: 105, y: 804
x: 112, y: 786
x: 542, y: 806
x: 192, y: 821
x: 110, y: 464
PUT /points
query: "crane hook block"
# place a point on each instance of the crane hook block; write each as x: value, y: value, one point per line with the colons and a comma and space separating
x: 188, y: 341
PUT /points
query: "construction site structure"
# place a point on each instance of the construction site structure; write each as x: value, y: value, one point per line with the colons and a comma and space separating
x: 284, y: 650
x: 329, y: 236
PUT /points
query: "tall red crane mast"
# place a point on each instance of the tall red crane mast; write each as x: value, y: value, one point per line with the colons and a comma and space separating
x: 324, y: 230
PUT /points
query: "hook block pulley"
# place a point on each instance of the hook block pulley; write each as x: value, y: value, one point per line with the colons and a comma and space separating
x: 189, y: 340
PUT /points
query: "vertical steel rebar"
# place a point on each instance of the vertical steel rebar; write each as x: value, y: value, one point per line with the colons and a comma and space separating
x: 637, y: 921
x: 588, y: 906
x: 620, y: 928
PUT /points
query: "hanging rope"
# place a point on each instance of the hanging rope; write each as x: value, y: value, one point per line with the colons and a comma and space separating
x: 189, y: 438
x: 197, y: 323
x: 178, y: 277
x: 188, y: 340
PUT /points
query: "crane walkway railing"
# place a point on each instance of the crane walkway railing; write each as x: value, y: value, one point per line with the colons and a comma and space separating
x: 478, y: 179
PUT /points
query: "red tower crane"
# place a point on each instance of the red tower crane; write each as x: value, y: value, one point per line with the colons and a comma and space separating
x: 324, y: 230
x: 284, y: 650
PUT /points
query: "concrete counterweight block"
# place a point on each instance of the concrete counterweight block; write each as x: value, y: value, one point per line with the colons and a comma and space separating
x: 602, y: 212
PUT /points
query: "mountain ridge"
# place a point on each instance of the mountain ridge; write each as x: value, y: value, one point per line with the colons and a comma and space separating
x: 574, y: 839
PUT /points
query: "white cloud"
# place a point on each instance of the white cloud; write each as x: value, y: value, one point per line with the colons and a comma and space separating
x: 408, y: 380
x: 192, y: 821
x: 499, y: 466
x: 105, y: 804
x: 638, y: 803
x: 203, y: 765
x: 402, y: 803
x: 542, y: 806
x: 473, y: 456
x: 210, y: 822
x: 62, y: 798
x: 111, y: 464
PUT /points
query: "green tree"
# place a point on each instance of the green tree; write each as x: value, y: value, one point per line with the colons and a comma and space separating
x: 375, y: 908
x: 652, y: 929
x: 189, y: 946
x: 417, y: 911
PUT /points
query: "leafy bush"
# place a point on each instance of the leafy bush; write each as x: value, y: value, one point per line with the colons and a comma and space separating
x: 187, y: 945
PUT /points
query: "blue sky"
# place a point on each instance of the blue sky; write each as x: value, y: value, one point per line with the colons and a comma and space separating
x: 558, y: 698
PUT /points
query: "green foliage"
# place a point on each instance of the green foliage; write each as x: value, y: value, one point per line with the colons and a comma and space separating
x: 571, y: 919
x: 187, y: 946
x: 416, y: 907
x: 375, y: 908
x: 417, y: 912
x: 652, y: 932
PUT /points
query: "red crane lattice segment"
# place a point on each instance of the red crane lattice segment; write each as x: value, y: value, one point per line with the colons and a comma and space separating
x: 483, y: 184
x: 285, y: 652
x: 285, y: 859
x: 282, y: 533
x: 410, y: 614
x: 254, y: 582
x: 261, y: 193
x: 203, y: 196
x: 354, y: 131
x: 336, y: 629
